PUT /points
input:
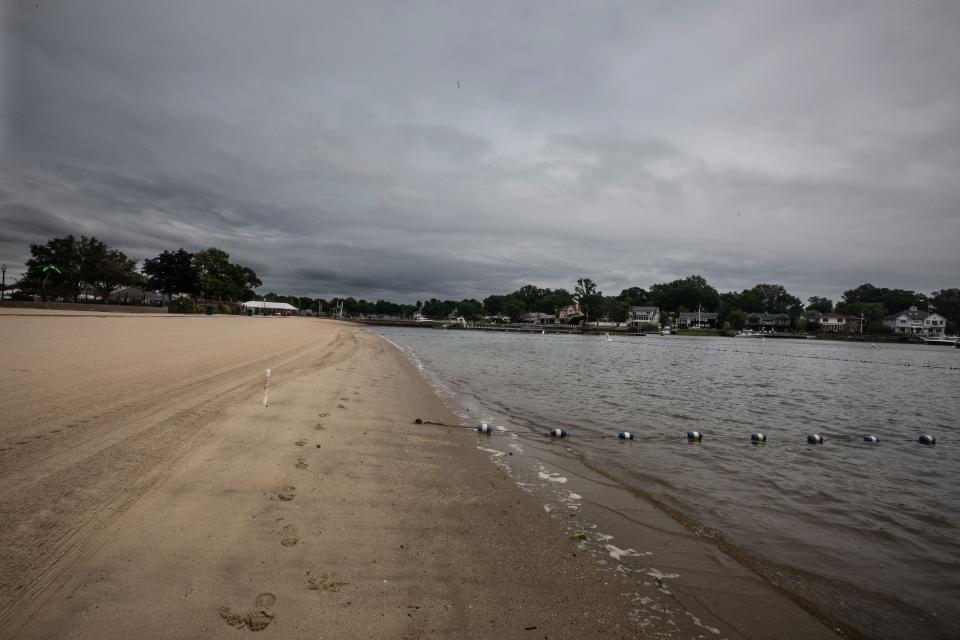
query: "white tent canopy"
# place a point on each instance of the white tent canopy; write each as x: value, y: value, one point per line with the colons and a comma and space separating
x: 277, y: 306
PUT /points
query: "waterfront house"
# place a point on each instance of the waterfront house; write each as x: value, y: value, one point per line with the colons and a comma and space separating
x: 644, y: 315
x: 838, y: 323
x: 538, y: 318
x: 569, y: 314
x: 697, y: 320
x: 912, y: 321
x: 767, y: 321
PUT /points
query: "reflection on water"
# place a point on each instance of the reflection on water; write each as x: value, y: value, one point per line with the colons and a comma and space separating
x: 859, y: 523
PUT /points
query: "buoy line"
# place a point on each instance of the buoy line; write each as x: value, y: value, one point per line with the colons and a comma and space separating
x: 755, y: 438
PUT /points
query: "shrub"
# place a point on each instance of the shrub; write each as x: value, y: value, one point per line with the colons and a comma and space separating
x: 182, y: 305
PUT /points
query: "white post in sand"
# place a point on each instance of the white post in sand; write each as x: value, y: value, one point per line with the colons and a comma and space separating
x: 266, y: 390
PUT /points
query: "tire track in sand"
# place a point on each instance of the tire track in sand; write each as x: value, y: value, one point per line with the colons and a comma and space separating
x: 59, y: 516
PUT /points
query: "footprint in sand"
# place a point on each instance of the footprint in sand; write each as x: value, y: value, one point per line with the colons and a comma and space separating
x: 287, y: 493
x: 324, y: 584
x: 301, y: 464
x: 265, y: 600
x: 340, y: 406
x: 290, y: 535
x: 319, y: 427
x: 323, y: 415
x: 300, y: 443
x: 344, y: 398
x: 256, y: 620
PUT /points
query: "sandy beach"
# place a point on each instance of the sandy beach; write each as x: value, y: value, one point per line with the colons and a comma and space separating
x: 147, y: 492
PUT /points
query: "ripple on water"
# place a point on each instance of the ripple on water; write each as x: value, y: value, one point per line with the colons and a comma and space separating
x: 855, y: 522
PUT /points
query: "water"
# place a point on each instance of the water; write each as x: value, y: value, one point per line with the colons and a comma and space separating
x: 869, y: 533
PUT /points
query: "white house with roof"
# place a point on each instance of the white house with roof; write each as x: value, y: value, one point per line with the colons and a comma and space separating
x: 569, y: 313
x: 915, y: 322
x: 839, y: 323
x: 697, y: 320
x: 644, y: 315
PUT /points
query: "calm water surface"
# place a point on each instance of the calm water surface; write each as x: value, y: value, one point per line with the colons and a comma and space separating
x: 869, y: 532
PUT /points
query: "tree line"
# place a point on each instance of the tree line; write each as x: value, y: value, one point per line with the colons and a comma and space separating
x: 72, y: 268
x: 68, y: 266
x: 678, y: 296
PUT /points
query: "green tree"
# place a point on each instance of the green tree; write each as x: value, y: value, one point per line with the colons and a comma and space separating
x: 616, y: 309
x: 530, y: 295
x: 493, y: 305
x: 688, y: 293
x: 244, y: 281
x: 553, y: 301
x: 514, y: 308
x: 54, y: 268
x: 470, y: 309
x: 872, y: 313
x: 636, y: 296
x: 64, y: 266
x: 770, y: 298
x: 816, y: 303
x: 893, y: 300
x: 946, y: 302
x: 172, y: 272
x: 221, y: 280
x: 588, y: 297
x: 737, y: 319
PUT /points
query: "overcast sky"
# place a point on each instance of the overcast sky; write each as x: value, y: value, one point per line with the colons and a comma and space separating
x: 408, y: 150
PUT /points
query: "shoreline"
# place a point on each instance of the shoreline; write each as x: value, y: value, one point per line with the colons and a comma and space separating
x: 191, y: 524
x: 392, y: 529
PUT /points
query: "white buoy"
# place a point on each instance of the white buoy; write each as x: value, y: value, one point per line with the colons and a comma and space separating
x: 485, y: 427
x: 756, y: 436
x: 694, y: 436
x: 871, y: 439
x: 266, y: 390
x: 557, y: 433
x: 626, y: 435
x: 815, y: 438
x: 927, y: 439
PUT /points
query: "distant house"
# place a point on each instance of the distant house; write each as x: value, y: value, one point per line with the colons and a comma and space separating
x: 767, y: 321
x: 569, y: 314
x: 644, y: 315
x: 538, y: 318
x: 136, y: 295
x: 697, y: 320
x: 838, y: 323
x: 918, y: 323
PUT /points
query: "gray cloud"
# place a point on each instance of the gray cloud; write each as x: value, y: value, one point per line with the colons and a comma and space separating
x: 332, y: 150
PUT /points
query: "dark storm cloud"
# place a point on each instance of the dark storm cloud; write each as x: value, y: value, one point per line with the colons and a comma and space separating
x: 434, y: 149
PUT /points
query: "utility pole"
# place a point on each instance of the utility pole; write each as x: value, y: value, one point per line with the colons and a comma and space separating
x: 3, y: 286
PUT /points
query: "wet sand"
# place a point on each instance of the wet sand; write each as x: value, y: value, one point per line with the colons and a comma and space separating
x: 145, y: 491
